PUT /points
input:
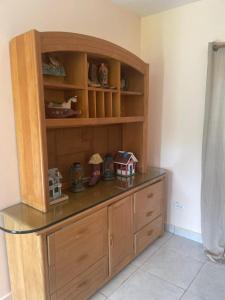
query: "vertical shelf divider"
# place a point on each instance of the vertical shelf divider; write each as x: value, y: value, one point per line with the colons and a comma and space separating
x: 100, y: 105
x: 108, y: 104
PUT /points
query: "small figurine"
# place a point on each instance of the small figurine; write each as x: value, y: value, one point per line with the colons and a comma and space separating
x: 76, y: 177
x: 103, y: 75
x: 108, y: 167
x: 66, y: 109
x: 124, y: 82
x: 95, y: 161
x: 52, y: 66
x: 93, y: 75
x: 125, y: 163
x: 55, y: 186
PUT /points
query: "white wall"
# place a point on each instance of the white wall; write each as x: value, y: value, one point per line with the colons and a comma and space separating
x: 99, y: 18
x: 175, y: 42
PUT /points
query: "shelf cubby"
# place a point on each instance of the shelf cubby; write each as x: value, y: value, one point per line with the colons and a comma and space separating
x: 100, y: 105
x: 111, y: 119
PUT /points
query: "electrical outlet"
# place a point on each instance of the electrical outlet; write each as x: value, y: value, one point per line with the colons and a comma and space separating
x: 178, y: 205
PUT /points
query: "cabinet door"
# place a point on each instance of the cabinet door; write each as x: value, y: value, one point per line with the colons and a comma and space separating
x: 121, y: 245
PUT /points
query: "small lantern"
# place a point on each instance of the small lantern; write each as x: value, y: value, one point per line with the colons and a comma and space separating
x: 108, y: 167
x: 95, y: 161
x: 76, y: 177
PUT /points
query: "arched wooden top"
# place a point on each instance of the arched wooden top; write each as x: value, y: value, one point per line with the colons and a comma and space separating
x: 65, y: 41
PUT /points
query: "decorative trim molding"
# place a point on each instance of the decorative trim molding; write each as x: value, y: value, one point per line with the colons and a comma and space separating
x: 188, y: 234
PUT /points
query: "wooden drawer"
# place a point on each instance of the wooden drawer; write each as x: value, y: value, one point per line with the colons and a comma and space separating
x: 147, y: 205
x: 75, y: 248
x: 86, y: 284
x: 148, y: 234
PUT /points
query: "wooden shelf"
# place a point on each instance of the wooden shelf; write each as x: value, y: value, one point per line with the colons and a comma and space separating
x: 102, y: 89
x: 62, y: 86
x: 71, y: 122
x: 131, y: 93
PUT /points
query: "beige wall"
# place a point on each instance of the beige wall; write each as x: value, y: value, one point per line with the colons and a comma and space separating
x: 94, y: 17
x: 175, y: 42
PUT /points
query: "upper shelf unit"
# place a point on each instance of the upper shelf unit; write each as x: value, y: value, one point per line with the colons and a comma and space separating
x: 122, y: 96
x: 114, y: 113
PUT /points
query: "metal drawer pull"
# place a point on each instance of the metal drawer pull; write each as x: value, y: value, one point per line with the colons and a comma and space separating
x: 82, y: 284
x: 82, y: 257
x: 150, y: 232
x: 150, y: 195
x: 148, y: 214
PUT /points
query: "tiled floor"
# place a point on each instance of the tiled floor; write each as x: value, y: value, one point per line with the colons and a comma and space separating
x: 172, y: 268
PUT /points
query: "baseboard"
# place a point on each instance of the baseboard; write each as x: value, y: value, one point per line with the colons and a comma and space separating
x: 188, y: 234
x: 7, y: 297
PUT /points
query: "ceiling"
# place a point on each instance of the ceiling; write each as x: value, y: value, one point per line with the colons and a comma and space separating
x: 148, y: 7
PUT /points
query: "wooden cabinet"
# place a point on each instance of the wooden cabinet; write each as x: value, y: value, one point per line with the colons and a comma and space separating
x: 76, y: 247
x: 121, y: 248
x: 148, y: 234
x: 74, y: 258
x: 107, y: 114
x: 147, y: 205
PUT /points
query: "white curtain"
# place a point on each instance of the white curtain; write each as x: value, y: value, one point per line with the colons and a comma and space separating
x: 213, y: 159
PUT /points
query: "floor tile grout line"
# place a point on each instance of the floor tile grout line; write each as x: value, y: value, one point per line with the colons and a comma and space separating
x: 187, y: 289
x: 154, y: 275
x: 155, y: 250
x: 138, y: 267
x: 121, y: 282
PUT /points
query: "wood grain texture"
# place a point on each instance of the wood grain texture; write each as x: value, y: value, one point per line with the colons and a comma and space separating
x: 85, y: 285
x: 121, y: 247
x: 76, y: 247
x: 147, y: 205
x: 64, y: 41
x: 147, y: 235
x: 29, y: 115
x: 27, y: 267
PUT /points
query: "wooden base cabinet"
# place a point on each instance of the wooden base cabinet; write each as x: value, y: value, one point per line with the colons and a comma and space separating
x: 74, y: 258
x: 121, y: 246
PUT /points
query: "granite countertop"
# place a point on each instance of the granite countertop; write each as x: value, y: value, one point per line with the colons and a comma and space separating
x: 21, y: 218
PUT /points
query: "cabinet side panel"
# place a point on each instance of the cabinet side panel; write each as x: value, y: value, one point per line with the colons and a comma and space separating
x: 29, y: 115
x: 26, y: 265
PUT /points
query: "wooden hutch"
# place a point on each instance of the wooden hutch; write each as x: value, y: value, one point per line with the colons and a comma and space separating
x: 73, y: 248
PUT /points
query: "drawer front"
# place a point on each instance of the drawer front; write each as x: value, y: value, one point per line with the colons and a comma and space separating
x: 148, y: 234
x: 86, y: 284
x: 147, y: 205
x: 75, y: 248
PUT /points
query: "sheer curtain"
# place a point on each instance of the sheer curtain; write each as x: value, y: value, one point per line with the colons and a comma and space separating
x: 213, y: 159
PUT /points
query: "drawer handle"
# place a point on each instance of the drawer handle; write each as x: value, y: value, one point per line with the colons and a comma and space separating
x: 82, y: 284
x: 82, y: 257
x: 149, y: 213
x: 150, y: 195
x: 150, y: 232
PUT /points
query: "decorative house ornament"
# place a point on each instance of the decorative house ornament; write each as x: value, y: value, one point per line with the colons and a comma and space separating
x: 52, y: 66
x: 125, y: 163
x: 76, y: 177
x: 55, y: 186
x: 125, y: 182
x: 108, y: 167
x: 95, y: 161
x: 103, y: 75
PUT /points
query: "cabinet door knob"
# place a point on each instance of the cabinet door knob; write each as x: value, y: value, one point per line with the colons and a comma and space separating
x: 150, y: 232
x: 150, y: 195
x: 149, y: 213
